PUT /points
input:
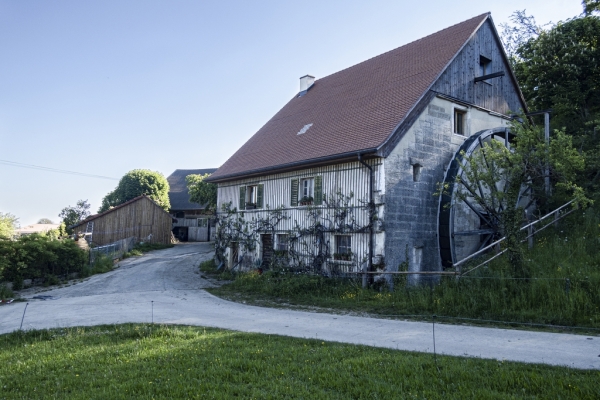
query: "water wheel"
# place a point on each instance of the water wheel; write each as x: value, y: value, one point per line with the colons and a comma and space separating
x: 465, y: 224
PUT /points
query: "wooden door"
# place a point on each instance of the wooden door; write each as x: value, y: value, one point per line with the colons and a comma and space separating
x: 267, y: 249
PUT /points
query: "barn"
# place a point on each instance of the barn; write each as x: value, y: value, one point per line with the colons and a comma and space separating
x: 140, y: 217
x: 351, y: 163
x: 191, y: 222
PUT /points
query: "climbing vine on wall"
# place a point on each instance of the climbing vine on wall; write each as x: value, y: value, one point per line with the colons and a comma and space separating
x: 308, y: 242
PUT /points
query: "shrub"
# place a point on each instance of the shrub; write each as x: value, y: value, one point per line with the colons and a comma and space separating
x: 39, y: 256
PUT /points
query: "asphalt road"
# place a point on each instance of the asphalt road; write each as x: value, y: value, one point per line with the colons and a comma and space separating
x: 166, y: 287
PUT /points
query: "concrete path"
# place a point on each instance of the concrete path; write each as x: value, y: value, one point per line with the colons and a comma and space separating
x: 165, y: 287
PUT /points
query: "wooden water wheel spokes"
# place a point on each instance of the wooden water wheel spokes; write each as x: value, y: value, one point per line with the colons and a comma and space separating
x: 468, y: 210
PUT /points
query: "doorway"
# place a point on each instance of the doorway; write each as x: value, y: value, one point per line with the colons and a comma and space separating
x: 267, y: 249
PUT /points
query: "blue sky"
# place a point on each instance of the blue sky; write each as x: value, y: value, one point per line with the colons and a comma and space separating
x: 106, y: 87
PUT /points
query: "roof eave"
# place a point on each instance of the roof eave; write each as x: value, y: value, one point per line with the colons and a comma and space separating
x: 315, y: 162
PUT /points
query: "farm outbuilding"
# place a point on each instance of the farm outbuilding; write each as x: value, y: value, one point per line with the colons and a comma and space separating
x: 140, y: 217
x: 191, y: 222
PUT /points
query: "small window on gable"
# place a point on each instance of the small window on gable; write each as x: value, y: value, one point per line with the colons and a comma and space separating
x: 460, y: 117
x: 485, y: 66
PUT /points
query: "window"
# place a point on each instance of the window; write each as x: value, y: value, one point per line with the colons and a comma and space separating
x: 485, y: 66
x: 251, y: 197
x: 459, y: 121
x: 282, y: 242
x: 307, y: 187
x: 343, y: 248
x: 306, y: 191
x: 417, y: 172
x: 202, y: 222
x: 251, y: 192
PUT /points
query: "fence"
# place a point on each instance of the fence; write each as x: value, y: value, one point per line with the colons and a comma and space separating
x: 114, y: 250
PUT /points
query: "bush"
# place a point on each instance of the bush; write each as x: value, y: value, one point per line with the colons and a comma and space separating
x: 5, y: 292
x: 39, y: 256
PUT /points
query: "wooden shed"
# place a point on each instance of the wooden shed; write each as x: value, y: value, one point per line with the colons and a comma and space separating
x: 140, y: 217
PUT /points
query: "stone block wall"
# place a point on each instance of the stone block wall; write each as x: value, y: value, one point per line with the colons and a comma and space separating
x: 411, y: 208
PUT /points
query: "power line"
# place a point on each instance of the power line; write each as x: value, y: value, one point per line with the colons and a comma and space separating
x: 48, y: 169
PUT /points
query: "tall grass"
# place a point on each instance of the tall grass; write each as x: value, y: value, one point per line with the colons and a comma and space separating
x: 564, y: 288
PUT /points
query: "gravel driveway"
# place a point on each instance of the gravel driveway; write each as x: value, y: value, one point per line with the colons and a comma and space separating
x: 165, y: 287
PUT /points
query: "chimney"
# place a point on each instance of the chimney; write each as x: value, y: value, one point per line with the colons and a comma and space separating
x: 306, y: 82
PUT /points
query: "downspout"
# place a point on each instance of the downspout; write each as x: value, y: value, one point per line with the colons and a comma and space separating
x: 365, y: 281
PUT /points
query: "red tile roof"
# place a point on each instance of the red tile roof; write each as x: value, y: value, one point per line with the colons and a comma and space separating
x: 352, y: 110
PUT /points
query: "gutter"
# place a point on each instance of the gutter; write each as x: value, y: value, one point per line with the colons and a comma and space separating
x: 291, y: 166
x: 371, y: 210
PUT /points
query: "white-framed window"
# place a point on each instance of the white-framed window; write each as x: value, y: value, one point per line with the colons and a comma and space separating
x: 202, y: 222
x: 343, y: 247
x: 282, y: 242
x: 307, y: 188
x: 306, y: 191
x: 460, y: 121
x: 251, y: 197
x: 251, y: 194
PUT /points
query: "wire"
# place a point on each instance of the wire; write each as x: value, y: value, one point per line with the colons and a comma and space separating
x: 48, y: 169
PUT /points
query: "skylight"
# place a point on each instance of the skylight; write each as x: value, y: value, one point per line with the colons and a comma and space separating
x: 304, y: 129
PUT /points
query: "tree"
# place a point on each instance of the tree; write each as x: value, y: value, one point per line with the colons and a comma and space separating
x: 522, y: 28
x: 136, y: 183
x: 202, y: 192
x: 589, y: 6
x: 45, y: 221
x: 493, y: 178
x: 558, y: 70
x: 8, y: 224
x: 72, y: 215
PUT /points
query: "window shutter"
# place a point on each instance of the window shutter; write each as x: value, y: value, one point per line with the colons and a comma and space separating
x: 294, y: 191
x: 242, y: 197
x: 318, y: 200
x: 259, y: 195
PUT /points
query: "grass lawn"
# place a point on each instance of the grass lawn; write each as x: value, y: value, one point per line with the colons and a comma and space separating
x: 150, y: 361
x: 564, y: 266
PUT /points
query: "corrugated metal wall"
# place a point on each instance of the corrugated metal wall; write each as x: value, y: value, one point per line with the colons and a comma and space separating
x: 344, y: 178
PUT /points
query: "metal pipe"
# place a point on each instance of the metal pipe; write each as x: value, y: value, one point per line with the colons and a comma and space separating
x: 503, y: 238
x: 371, y: 211
x: 405, y: 272
x: 547, y: 139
